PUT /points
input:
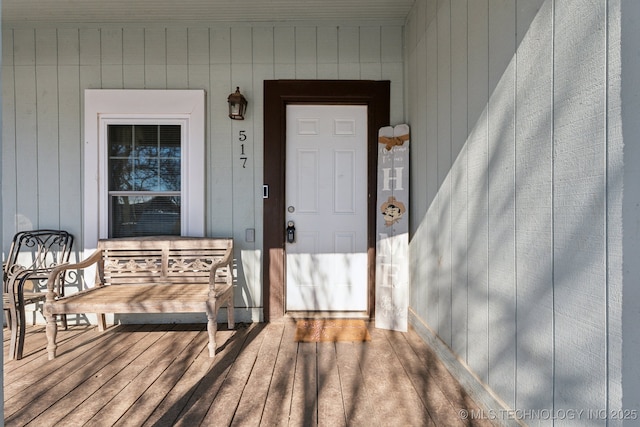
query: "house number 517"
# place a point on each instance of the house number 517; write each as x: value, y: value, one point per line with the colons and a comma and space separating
x: 242, y: 137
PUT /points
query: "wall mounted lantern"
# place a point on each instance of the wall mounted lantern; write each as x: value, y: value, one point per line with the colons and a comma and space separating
x: 237, y: 105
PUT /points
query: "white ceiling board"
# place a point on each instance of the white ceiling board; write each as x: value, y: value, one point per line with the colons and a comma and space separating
x: 141, y: 11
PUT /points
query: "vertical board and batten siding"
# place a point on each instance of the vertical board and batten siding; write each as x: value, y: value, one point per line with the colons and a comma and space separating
x: 624, y: 32
x: 534, y: 203
x: 477, y: 191
x: 459, y: 179
x: 501, y: 199
x: 46, y: 70
x: 443, y: 161
x: 579, y: 206
x: 515, y: 221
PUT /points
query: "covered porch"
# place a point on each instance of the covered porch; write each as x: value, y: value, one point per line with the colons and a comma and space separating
x: 161, y: 375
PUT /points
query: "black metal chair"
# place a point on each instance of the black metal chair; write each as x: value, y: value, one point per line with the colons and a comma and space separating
x: 32, y: 256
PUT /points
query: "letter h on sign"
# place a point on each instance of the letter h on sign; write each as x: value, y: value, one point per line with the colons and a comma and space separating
x: 387, y: 178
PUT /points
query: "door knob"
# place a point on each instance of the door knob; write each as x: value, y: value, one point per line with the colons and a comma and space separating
x: 291, y: 232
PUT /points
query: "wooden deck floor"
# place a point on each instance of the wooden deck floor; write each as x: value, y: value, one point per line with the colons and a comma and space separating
x: 161, y: 375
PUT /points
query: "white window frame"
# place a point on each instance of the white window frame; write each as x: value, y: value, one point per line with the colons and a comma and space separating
x: 109, y: 106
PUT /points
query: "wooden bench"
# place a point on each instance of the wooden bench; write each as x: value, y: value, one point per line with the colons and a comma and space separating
x: 150, y: 275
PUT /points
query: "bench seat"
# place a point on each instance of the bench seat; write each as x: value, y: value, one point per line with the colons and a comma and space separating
x: 172, y: 298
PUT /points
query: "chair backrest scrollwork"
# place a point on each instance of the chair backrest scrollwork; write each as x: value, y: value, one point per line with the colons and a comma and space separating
x: 37, y: 251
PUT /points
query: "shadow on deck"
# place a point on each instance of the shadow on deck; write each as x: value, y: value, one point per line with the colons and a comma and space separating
x: 161, y: 375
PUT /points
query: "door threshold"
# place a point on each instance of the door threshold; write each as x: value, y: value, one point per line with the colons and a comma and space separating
x: 297, y: 315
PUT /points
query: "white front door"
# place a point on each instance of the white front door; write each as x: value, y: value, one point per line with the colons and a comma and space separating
x: 326, y: 200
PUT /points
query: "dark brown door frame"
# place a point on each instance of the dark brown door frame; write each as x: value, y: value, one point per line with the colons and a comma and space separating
x: 277, y: 94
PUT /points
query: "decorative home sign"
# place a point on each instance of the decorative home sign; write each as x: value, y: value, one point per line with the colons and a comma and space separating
x: 392, y: 229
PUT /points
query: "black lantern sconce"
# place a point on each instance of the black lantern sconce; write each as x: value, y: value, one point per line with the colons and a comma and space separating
x: 237, y: 105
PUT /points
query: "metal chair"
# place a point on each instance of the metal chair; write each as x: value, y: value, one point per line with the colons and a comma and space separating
x: 32, y: 256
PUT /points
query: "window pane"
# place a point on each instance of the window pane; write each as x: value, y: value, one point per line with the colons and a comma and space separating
x: 146, y: 175
x: 170, y: 138
x: 120, y: 140
x: 144, y: 216
x: 169, y: 175
x: 121, y: 175
x: 146, y: 140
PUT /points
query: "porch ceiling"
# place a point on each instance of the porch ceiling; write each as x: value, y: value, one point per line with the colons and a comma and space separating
x: 148, y: 11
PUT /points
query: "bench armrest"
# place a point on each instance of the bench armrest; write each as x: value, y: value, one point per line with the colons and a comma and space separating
x: 226, y: 260
x: 55, y: 273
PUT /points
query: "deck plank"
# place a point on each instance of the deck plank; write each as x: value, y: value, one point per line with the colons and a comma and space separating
x: 133, y: 381
x: 358, y: 401
x: 157, y: 375
x: 278, y: 404
x: 441, y: 378
x: 254, y: 397
x: 236, y: 382
x: 396, y: 399
x: 202, y: 375
x: 63, y: 378
x: 331, y: 411
x: 88, y: 389
x: 29, y: 368
x: 304, y: 401
x: 201, y: 401
x: 140, y: 410
x: 433, y: 398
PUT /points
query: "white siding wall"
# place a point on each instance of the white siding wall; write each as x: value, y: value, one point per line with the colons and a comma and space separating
x: 516, y: 216
x: 45, y: 72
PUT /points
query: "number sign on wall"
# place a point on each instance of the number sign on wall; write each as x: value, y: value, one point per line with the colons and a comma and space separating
x: 242, y: 137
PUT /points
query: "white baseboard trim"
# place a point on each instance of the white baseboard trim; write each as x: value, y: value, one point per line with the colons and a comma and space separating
x: 493, y: 407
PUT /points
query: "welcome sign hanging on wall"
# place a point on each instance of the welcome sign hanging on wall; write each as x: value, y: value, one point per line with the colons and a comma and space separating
x: 392, y: 229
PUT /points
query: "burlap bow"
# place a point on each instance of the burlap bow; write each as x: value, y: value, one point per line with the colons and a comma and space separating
x: 392, y: 141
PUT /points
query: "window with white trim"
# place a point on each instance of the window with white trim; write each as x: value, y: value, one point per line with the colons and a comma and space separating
x: 144, y: 163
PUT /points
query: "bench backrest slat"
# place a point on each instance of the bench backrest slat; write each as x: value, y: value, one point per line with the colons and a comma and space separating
x: 158, y: 260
